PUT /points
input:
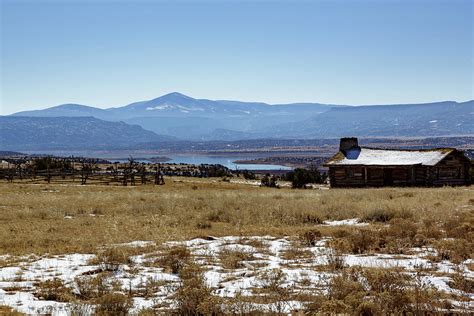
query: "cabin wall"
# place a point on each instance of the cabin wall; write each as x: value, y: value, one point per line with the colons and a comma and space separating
x: 342, y: 176
x: 358, y: 176
x: 452, y: 170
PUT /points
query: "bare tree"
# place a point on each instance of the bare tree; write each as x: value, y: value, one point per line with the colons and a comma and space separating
x: 158, y: 175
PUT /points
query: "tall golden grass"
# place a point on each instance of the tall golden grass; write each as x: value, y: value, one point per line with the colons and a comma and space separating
x: 72, y: 218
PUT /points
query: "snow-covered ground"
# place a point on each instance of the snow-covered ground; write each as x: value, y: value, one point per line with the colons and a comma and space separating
x: 346, y: 222
x: 19, y: 276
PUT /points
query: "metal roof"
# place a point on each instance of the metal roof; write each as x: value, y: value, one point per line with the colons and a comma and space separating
x: 388, y: 157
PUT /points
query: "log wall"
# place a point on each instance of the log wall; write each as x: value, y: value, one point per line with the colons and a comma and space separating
x: 452, y: 170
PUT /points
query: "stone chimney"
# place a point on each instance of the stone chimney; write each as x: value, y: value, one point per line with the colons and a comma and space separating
x: 348, y: 143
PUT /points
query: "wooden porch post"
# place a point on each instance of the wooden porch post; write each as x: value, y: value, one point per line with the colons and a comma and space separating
x: 365, y: 175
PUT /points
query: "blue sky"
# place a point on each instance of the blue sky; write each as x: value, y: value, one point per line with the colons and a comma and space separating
x: 111, y: 53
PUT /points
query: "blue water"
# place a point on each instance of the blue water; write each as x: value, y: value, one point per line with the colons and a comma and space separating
x: 225, y: 161
x: 214, y: 160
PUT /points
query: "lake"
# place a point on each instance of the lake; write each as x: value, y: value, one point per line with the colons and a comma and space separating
x: 227, y: 161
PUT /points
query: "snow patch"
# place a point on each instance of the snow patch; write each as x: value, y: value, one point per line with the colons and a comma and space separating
x: 346, y: 222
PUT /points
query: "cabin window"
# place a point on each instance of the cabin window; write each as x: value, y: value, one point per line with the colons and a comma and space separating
x: 349, y: 173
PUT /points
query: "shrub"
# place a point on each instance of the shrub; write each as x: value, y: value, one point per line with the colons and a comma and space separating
x: 390, y: 289
x: 295, y: 252
x: 113, y: 304
x: 218, y: 216
x: 379, y: 215
x: 53, y: 290
x: 203, y: 224
x: 111, y: 258
x: 310, y: 237
x: 346, y: 286
x: 269, y: 181
x: 248, y: 175
x: 194, y: 297
x: 149, y: 287
x: 232, y: 258
x: 335, y: 260
x: 80, y: 309
x: 272, y: 283
x: 368, y: 308
x: 308, y: 217
x: 454, y: 250
x: 461, y: 282
x: 334, y: 307
x: 7, y: 310
x: 91, y: 287
x: 362, y: 240
x: 174, y: 259
x: 301, y: 177
x: 460, y: 226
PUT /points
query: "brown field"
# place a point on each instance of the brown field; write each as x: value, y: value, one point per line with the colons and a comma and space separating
x: 65, y: 218
x: 327, y: 265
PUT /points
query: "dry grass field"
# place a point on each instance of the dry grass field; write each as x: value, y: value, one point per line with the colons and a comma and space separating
x: 427, y: 225
x: 63, y: 219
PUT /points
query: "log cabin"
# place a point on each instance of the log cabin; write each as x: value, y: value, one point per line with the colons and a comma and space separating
x: 355, y: 166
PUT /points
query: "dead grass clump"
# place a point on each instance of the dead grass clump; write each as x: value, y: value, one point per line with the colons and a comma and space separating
x: 460, y: 226
x: 53, y: 290
x: 340, y: 232
x: 174, y: 259
x: 400, y: 236
x: 148, y: 287
x: 347, y: 287
x: 113, y: 304
x: 374, y: 291
x: 234, y: 258
x: 335, y: 260
x: 80, y: 309
x: 296, y: 252
x: 379, y: 215
x: 362, y: 241
x: 454, y: 250
x: 219, y: 216
x: 345, y: 292
x: 203, y: 224
x: 397, y: 238
x: 194, y: 297
x: 367, y: 308
x: 401, y: 228
x: 256, y: 243
x: 309, y: 217
x: 310, y: 237
x: 91, y: 287
x: 111, y: 258
x: 274, y: 289
x: 461, y: 282
x: 430, y: 229
x: 7, y: 310
x: 389, y: 289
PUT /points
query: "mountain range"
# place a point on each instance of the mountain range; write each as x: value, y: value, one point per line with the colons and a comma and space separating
x: 179, y: 116
x: 47, y: 133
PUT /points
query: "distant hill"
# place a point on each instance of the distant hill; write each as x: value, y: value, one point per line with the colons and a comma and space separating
x: 35, y: 133
x: 178, y: 115
x: 70, y: 110
x: 7, y: 153
x: 404, y: 120
x: 188, y: 118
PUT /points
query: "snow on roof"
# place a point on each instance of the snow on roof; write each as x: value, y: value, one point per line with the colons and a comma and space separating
x: 389, y: 157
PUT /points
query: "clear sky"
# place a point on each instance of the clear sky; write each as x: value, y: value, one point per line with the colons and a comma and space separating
x: 111, y: 53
